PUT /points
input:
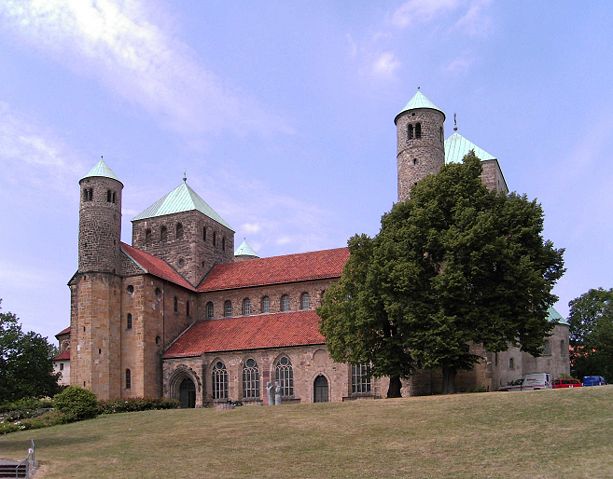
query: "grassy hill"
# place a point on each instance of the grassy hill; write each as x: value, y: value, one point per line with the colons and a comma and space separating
x: 540, y: 434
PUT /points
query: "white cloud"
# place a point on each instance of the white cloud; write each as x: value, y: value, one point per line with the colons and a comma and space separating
x: 118, y: 44
x: 30, y: 153
x: 421, y: 11
x: 460, y: 64
x: 385, y: 64
x: 250, y: 228
x: 475, y: 21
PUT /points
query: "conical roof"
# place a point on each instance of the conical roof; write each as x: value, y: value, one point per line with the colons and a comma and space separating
x: 179, y: 200
x: 419, y: 100
x: 245, y: 249
x: 102, y: 169
x: 457, y: 147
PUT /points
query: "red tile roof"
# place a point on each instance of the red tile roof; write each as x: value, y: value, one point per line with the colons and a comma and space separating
x: 276, y: 270
x: 63, y: 331
x: 156, y: 266
x: 63, y: 356
x: 296, y: 328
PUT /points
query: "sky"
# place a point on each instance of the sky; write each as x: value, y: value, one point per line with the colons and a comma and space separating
x: 281, y: 114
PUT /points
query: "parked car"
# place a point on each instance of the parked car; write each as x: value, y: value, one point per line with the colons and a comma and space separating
x: 594, y: 381
x: 529, y: 382
x: 566, y: 383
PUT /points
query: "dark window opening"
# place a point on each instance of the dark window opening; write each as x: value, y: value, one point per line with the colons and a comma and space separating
x: 176, y: 304
x: 130, y: 289
x: 214, y: 238
x: 109, y: 196
x: 128, y: 379
x: 114, y: 197
x: 204, y: 233
x: 187, y: 308
x: 411, y: 134
x: 88, y: 194
x: 210, y: 310
x: 179, y: 231
x: 414, y: 161
x: 223, y: 244
x: 129, y: 321
x: 163, y: 233
x: 418, y: 130
x: 148, y: 236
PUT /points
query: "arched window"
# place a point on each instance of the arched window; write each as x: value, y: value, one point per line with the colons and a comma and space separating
x: 547, y: 348
x: 360, y: 379
x: 130, y: 289
x: 129, y: 321
x: 148, y: 236
x: 246, y: 307
x: 210, y: 310
x: 251, y: 380
x: 220, y: 381
x: 410, y: 132
x: 176, y: 304
x: 214, y: 238
x: 128, y: 379
x: 204, y: 233
x: 305, y: 301
x: 418, y: 130
x: 179, y: 231
x: 223, y: 243
x: 285, y: 302
x: 284, y: 375
x: 163, y: 233
x: 265, y: 305
x: 227, y: 308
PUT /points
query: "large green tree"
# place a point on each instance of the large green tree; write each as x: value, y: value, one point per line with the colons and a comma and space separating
x: 26, y: 369
x: 452, y: 266
x: 591, y: 333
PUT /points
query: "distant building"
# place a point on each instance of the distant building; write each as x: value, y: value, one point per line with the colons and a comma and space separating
x: 180, y: 313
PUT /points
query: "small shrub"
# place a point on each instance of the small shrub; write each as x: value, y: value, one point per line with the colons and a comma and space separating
x: 135, y: 404
x: 76, y: 403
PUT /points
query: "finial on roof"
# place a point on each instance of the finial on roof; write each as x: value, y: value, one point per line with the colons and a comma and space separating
x: 419, y: 88
x: 185, y: 176
x: 455, y: 123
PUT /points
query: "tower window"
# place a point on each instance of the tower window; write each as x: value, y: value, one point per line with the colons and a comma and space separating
x: 214, y: 238
x: 511, y: 363
x: 411, y: 132
x: 179, y: 231
x: 114, y: 197
x: 163, y: 233
x: 130, y: 289
x: 109, y: 196
x: 227, y: 309
x: 88, y: 194
x: 129, y: 321
x: 223, y: 244
x: 414, y: 161
x: 148, y: 236
x: 204, y: 233
x: 176, y: 304
x: 210, y: 310
x: 187, y: 307
x: 418, y: 130
x: 128, y: 379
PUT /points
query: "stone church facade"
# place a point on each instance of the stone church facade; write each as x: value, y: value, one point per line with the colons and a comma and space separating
x: 181, y: 313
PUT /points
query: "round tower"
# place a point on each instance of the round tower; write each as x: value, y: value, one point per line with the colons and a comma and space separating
x: 99, y: 220
x: 420, y: 142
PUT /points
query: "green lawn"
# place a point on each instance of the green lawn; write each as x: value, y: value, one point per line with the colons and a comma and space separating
x: 541, y: 434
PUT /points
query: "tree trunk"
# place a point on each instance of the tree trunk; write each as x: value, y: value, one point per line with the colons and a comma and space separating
x: 393, y: 391
x: 448, y: 380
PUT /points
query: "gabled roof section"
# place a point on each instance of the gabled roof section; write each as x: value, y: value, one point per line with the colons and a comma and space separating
x: 457, y: 147
x: 155, y: 266
x: 63, y: 331
x: 276, y: 269
x: 277, y: 330
x: 554, y: 317
x: 419, y: 100
x: 102, y: 169
x: 63, y: 356
x: 179, y: 200
x: 245, y: 249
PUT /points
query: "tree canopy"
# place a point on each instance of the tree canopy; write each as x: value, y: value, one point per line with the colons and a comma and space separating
x: 591, y: 333
x: 26, y: 368
x: 453, y: 265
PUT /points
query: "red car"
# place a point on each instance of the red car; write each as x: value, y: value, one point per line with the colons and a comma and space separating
x: 566, y: 383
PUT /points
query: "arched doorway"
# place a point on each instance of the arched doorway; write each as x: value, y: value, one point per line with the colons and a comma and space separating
x: 320, y: 389
x: 187, y: 393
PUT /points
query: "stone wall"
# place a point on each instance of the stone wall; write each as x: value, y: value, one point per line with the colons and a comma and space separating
x: 419, y: 157
x: 191, y: 255
x: 255, y: 294
x: 492, y: 177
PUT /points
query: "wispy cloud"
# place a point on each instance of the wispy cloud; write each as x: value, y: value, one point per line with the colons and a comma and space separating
x: 475, y: 20
x: 460, y: 65
x: 119, y: 44
x: 385, y: 65
x: 414, y: 12
x: 32, y: 154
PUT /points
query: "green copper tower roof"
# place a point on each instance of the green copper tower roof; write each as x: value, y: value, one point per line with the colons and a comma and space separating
x: 457, y: 147
x: 102, y: 169
x: 179, y: 200
x: 419, y: 100
x: 245, y: 249
x: 554, y: 316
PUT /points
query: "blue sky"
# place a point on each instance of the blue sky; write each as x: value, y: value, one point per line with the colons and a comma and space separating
x: 282, y: 115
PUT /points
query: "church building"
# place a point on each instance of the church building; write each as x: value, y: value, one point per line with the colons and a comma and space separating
x: 182, y: 313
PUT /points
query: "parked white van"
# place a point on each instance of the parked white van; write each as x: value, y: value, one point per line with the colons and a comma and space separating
x: 529, y: 382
